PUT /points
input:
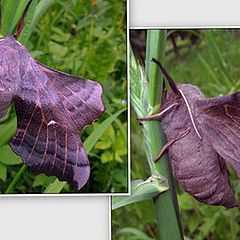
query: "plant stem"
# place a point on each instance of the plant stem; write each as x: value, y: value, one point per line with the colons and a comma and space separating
x: 154, y: 50
x: 16, y: 179
x: 165, y: 205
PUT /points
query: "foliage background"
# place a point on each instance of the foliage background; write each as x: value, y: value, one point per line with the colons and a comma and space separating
x: 85, y: 39
x: 213, y: 65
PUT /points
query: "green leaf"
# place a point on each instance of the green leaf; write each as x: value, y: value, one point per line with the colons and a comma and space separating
x: 107, y: 139
x: 3, y: 172
x: 8, y: 157
x: 185, y: 202
x: 103, y: 63
x: 43, y: 180
x: 107, y: 157
x: 55, y: 187
x: 8, y: 127
x: 103, y: 144
x: 120, y: 144
x: 100, y: 130
x: 141, y: 190
x: 207, y: 227
x: 118, y: 157
x: 134, y: 232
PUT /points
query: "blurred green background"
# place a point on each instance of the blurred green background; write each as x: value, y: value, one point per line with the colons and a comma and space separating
x: 210, y: 60
x: 85, y: 39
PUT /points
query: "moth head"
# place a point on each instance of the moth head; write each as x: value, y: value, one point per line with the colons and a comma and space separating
x: 178, y: 92
x: 174, y: 104
x: 181, y: 95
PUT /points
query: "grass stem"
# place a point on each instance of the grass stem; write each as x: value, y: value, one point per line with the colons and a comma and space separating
x: 16, y: 179
x: 165, y: 204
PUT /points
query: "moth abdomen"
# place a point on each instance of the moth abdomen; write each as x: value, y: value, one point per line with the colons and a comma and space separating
x: 201, y: 171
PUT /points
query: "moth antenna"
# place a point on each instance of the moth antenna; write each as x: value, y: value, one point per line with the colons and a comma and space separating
x: 21, y: 22
x: 157, y: 116
x: 164, y: 92
x: 170, y: 142
x: 167, y: 76
x: 190, y: 113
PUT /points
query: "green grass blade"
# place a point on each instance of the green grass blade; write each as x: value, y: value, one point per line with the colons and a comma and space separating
x: 139, y: 87
x: 12, y: 12
x: 140, y: 191
x: 140, y: 101
x: 208, y: 68
x: 36, y: 11
x: 16, y: 179
x: 215, y: 50
x: 9, y: 18
x: 41, y: 9
x: 18, y: 14
x: 28, y: 25
x: 139, y: 235
x: 89, y: 143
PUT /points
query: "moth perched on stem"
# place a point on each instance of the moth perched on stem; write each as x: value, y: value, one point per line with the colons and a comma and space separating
x: 51, y: 108
x: 203, y: 136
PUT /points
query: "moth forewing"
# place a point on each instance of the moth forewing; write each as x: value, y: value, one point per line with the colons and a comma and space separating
x: 51, y: 108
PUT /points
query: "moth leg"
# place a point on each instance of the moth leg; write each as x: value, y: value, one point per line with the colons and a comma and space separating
x: 158, y: 116
x: 170, y: 142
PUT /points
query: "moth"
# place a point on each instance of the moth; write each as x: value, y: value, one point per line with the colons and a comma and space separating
x: 202, y: 138
x: 52, y: 107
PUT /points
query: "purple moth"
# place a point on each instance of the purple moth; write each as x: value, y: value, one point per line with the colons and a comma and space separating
x: 52, y: 107
x: 202, y: 138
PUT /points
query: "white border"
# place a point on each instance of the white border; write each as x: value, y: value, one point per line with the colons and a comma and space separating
x: 128, y: 98
x: 183, y: 13
x: 56, y: 218
x: 110, y: 218
x: 129, y: 123
x: 128, y: 193
x: 187, y: 27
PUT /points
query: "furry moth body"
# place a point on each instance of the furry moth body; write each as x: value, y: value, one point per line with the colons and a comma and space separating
x: 195, y: 163
x: 211, y: 139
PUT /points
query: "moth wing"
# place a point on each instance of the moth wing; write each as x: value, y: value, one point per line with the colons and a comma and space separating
x: 51, y: 108
x: 8, y: 76
x: 219, y: 119
x: 81, y: 98
x: 49, y: 147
